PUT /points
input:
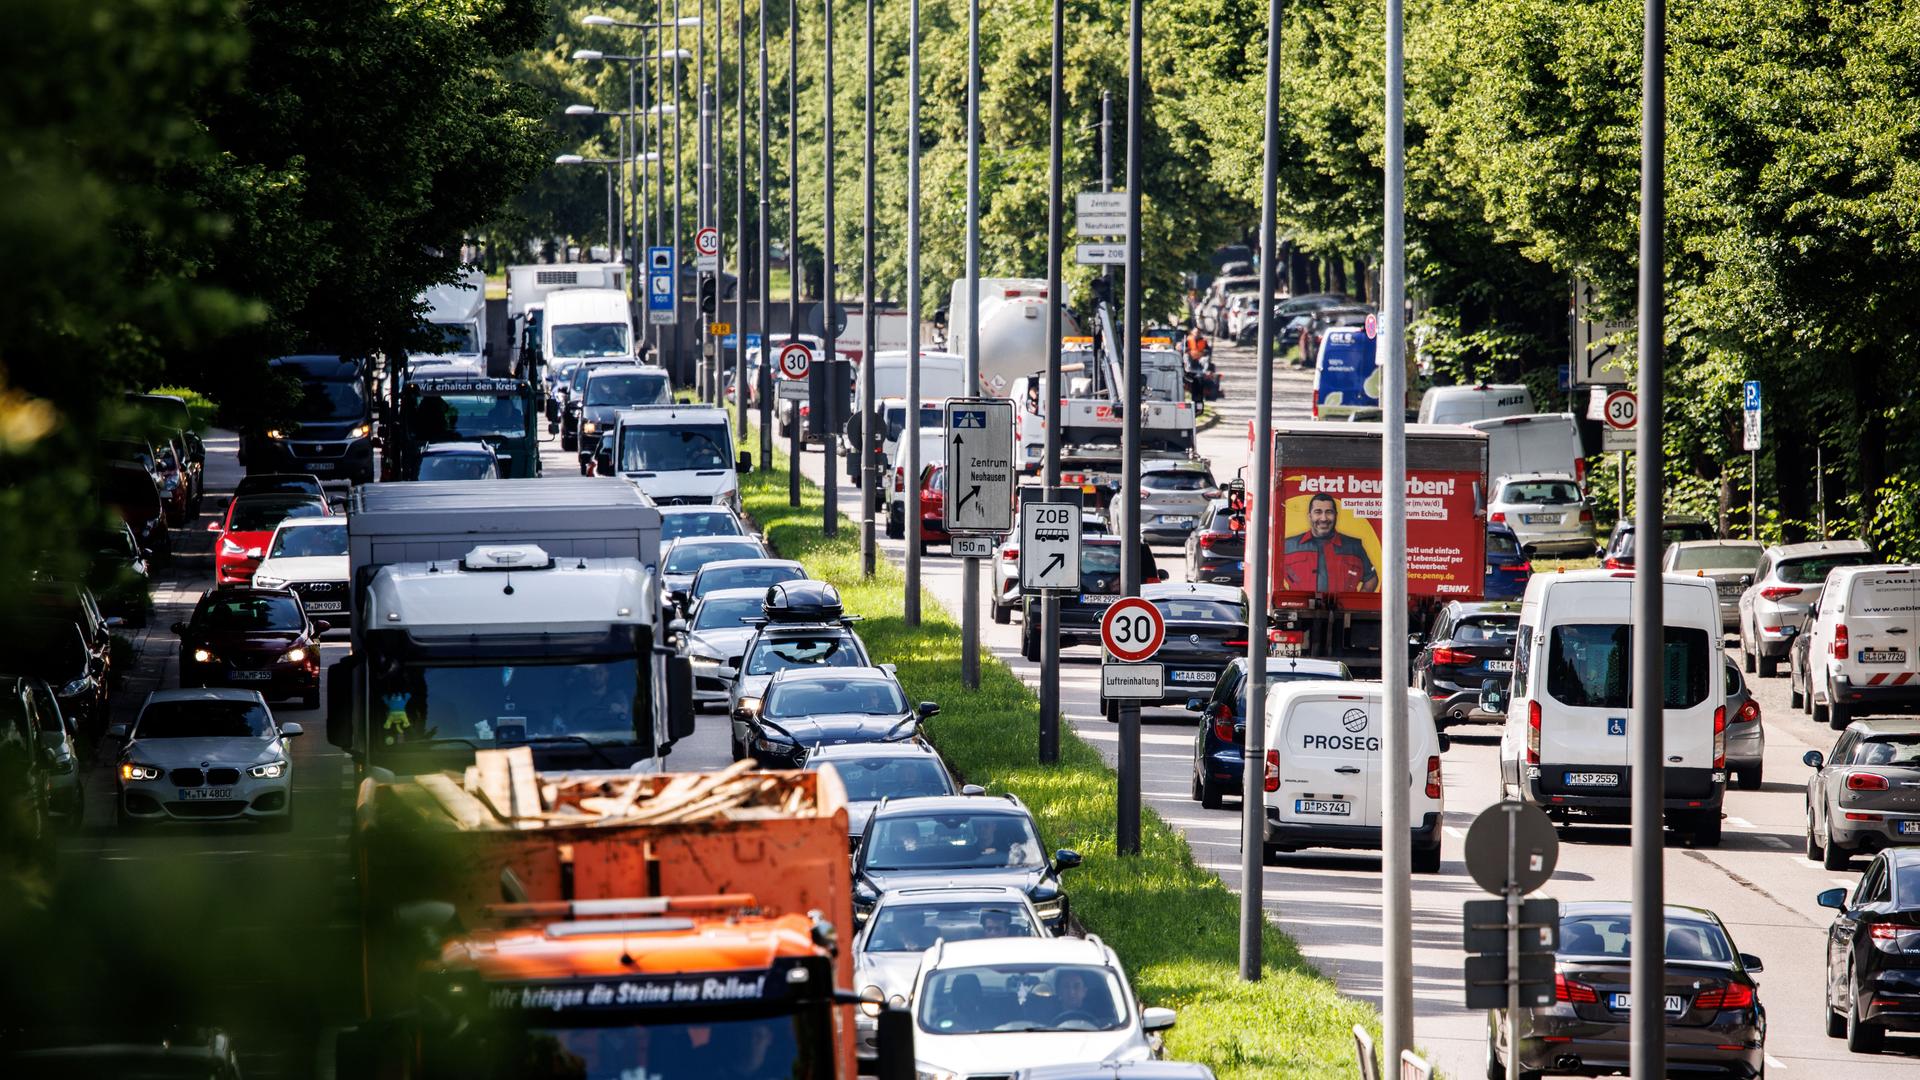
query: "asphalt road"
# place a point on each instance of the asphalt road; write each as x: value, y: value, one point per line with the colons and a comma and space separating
x: 1758, y: 881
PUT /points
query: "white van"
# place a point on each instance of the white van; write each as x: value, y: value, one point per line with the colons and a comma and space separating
x: 1324, y: 785
x: 580, y: 324
x: 679, y: 455
x: 458, y: 312
x: 1565, y: 744
x: 1533, y: 443
x: 1466, y: 404
x: 1863, y: 652
x: 942, y: 375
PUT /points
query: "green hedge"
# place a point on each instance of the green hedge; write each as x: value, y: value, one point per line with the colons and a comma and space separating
x: 202, y: 407
x: 1174, y: 924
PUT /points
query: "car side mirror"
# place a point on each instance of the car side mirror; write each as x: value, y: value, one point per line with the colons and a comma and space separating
x: 603, y: 461
x: 114, y: 622
x: 180, y: 629
x: 973, y: 789
x: 1751, y: 963
x: 1494, y: 698
x: 1157, y: 1019
x: 677, y: 627
x: 678, y: 598
x: 117, y: 731
x: 929, y: 709
x: 1066, y: 859
x: 1163, y: 575
x: 1814, y: 759
x: 744, y: 463
x: 1833, y: 898
x: 321, y: 626
x: 728, y: 673
x: 292, y: 730
x: 1195, y: 704
x: 213, y: 526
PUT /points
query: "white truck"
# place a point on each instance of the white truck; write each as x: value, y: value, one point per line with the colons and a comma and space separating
x: 493, y: 613
x: 678, y: 455
x: 528, y: 288
x: 1013, y: 329
x: 457, y: 311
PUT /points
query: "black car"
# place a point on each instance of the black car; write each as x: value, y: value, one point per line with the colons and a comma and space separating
x: 1469, y: 646
x: 806, y: 708
x: 1873, y: 952
x: 1206, y: 631
x: 609, y: 391
x: 577, y: 396
x: 783, y: 646
x: 959, y: 840
x: 1715, y: 1023
x: 254, y: 639
x: 1217, y: 550
x: 118, y: 574
x: 128, y: 491
x: 55, y: 650
x: 1220, y: 739
x: 875, y: 772
x: 1674, y: 530
x: 1099, y: 588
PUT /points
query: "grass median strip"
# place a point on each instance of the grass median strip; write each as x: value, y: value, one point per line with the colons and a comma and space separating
x: 1174, y: 923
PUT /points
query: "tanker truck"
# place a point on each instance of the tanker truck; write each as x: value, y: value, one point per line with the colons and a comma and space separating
x: 1013, y: 329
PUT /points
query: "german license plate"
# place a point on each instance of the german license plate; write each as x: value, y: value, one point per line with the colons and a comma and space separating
x: 1176, y: 519
x: 202, y: 794
x: 324, y: 605
x: 1541, y: 519
x: 249, y: 676
x: 1099, y: 598
x: 1906, y: 827
x: 1731, y: 588
x: 1675, y: 1004
x: 1591, y: 779
x: 320, y: 466
x: 1883, y: 656
x: 1335, y: 807
x: 1194, y: 676
x: 1499, y: 665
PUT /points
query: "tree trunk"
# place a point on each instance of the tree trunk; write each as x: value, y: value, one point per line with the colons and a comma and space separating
x: 1336, y: 276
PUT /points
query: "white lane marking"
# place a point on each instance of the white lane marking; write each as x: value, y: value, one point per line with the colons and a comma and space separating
x: 1774, y: 1062
x: 1740, y: 821
x: 1457, y: 834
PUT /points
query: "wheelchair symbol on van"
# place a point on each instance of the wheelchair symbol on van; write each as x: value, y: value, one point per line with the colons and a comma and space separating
x: 1616, y: 725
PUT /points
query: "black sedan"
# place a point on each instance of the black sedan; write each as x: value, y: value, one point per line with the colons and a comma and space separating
x: 1469, y: 646
x: 1873, y: 952
x: 807, y: 708
x: 959, y: 841
x: 1206, y: 631
x: 1220, y: 739
x: 1099, y: 587
x: 1715, y: 1022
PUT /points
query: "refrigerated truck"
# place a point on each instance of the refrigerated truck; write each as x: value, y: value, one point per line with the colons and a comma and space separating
x: 1325, y: 555
x: 498, y: 613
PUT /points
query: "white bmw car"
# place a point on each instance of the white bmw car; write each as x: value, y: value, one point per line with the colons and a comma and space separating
x: 205, y: 755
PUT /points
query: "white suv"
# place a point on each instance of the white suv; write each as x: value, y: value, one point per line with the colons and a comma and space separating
x: 1545, y: 511
x: 994, y: 1007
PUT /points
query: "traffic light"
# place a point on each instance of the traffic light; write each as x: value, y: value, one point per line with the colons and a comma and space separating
x: 709, y: 295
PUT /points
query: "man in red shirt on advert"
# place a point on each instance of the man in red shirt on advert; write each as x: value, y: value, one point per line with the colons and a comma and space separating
x: 1324, y: 561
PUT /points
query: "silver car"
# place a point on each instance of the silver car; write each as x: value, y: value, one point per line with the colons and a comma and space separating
x: 1788, y: 584
x: 1730, y: 563
x: 1173, y: 501
x: 1746, y: 741
x: 717, y: 631
x: 1545, y: 511
x: 907, y: 922
x: 204, y: 755
x: 1864, y: 795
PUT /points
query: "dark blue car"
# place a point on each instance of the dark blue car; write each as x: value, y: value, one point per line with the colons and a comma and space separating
x: 1222, y: 731
x: 1507, y: 567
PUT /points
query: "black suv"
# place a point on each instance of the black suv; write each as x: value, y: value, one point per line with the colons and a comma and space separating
x: 959, y: 841
x: 1099, y: 588
x: 1470, y: 646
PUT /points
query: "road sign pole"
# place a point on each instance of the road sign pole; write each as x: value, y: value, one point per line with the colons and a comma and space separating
x: 1648, y: 1025
x: 740, y: 222
x: 1050, y: 467
x: 867, y: 342
x: 1513, y: 952
x: 793, y: 232
x: 1129, y: 817
x: 969, y: 568
x: 1253, y: 916
x: 764, y: 278
x: 829, y: 293
x: 911, y: 609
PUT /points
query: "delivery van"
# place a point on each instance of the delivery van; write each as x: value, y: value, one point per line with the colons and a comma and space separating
x: 1466, y: 404
x: 1568, y: 707
x: 581, y: 324
x: 1346, y: 375
x: 1532, y: 443
x: 1863, y: 652
x: 1324, y: 783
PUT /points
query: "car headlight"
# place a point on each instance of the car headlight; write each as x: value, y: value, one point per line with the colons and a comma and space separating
x: 132, y: 771
x: 295, y: 655
x: 588, y: 427
x: 203, y: 656
x: 730, y: 495
x: 772, y: 744
x: 272, y: 770
x: 228, y: 547
x: 276, y: 434
x: 268, y: 581
x: 363, y: 431
x: 750, y: 704
x: 704, y: 661
x: 872, y: 1000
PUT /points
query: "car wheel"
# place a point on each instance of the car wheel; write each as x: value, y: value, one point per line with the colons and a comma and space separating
x: 1836, y: 1024
x: 1706, y: 829
x: 1814, y: 850
x: 1029, y: 641
x: 1426, y: 860
x: 1769, y: 666
x: 1862, y: 1037
x: 1746, y: 656
x: 1270, y: 854
x: 1815, y: 708
x: 1833, y: 856
x: 1838, y: 715
x: 896, y: 530
x: 1749, y: 779
x: 1002, y: 615
x: 1794, y: 697
x: 311, y: 699
x: 1208, y: 793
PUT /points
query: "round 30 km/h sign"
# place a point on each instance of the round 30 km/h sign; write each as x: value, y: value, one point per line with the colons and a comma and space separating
x: 795, y: 359
x: 707, y: 241
x: 1132, y: 629
x: 1622, y: 409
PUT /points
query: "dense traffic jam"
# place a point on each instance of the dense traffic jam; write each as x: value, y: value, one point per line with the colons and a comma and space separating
x: 556, y: 898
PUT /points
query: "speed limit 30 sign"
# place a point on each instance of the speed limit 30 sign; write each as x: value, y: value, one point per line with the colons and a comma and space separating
x: 1132, y: 630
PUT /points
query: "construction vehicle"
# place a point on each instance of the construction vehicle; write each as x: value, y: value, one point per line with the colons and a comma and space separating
x: 606, y: 924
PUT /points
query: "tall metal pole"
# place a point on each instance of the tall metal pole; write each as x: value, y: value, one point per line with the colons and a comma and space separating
x: 829, y: 331
x: 1128, y: 840
x: 969, y: 568
x: 674, y: 365
x: 1253, y: 864
x: 629, y: 182
x: 740, y: 222
x: 700, y: 197
x: 1396, y: 830
x: 867, y: 343
x: 793, y: 230
x: 719, y: 194
x: 1648, y: 726
x: 1106, y: 160
x: 650, y: 219
x: 637, y: 235
x: 764, y: 381
x: 1050, y: 462
x: 911, y: 609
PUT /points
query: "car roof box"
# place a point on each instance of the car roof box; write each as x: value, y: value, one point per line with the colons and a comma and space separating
x: 802, y: 601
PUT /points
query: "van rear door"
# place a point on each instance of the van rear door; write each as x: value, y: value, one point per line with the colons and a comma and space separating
x: 1882, y: 612
x: 1329, y: 748
x: 1534, y: 443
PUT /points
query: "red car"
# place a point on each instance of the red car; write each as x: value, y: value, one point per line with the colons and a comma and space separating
x: 246, y: 527
x: 253, y: 639
x: 933, y: 503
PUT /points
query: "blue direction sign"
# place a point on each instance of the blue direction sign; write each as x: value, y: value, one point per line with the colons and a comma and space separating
x: 660, y: 298
x: 731, y: 340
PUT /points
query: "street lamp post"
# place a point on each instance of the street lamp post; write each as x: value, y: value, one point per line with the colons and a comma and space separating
x: 609, y: 164
x: 793, y: 230
x: 765, y: 381
x: 866, y: 479
x: 911, y: 443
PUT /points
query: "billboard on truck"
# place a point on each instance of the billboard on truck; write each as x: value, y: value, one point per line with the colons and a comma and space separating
x: 1330, y: 544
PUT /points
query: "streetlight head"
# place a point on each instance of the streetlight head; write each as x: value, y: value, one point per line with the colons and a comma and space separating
x: 581, y: 110
x: 587, y: 54
x: 691, y: 20
x: 597, y: 20
x: 569, y: 159
x: 663, y: 110
x: 674, y: 54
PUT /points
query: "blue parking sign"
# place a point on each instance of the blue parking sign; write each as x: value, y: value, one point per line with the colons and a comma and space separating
x: 1752, y: 395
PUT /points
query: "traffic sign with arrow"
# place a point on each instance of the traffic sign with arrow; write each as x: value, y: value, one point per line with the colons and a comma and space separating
x: 979, y: 465
x: 1049, y: 546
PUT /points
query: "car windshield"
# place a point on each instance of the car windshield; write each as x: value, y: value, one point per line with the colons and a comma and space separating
x: 1486, y: 630
x: 1540, y: 491
x: 1021, y: 997
x: 330, y: 399
x: 959, y: 840
x: 875, y: 778
x: 1502, y: 543
x: 589, y: 339
x: 648, y: 389
x: 1813, y: 570
x: 456, y: 337
x: 441, y: 417
x: 699, y: 523
x: 821, y: 697
x: 1717, y: 557
x: 256, y: 612
x: 931, y: 416
x: 1894, y: 750
x: 1099, y: 560
x: 1177, y: 480
x: 915, y: 927
x: 690, y: 555
x: 204, y: 720
x: 489, y: 705
x: 673, y: 447
x: 1610, y: 937
x: 745, y: 577
x: 1588, y: 665
x: 458, y: 466
x: 261, y: 515
x: 309, y: 541
x: 831, y: 649
x: 1196, y: 609
x: 719, y: 613
x: 784, y: 1046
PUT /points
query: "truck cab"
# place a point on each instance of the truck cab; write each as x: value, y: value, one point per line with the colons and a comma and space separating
x: 331, y: 431
x: 679, y: 455
x: 498, y: 412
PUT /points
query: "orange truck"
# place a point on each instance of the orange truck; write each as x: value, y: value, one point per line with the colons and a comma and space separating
x: 610, y: 925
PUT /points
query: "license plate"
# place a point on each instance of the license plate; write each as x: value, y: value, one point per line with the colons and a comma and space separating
x: 1499, y: 665
x: 1176, y: 519
x: 1541, y: 519
x: 319, y: 466
x: 1099, y: 598
x: 1624, y: 1002
x: 1591, y: 779
x: 324, y: 605
x: 1906, y: 827
x: 1195, y: 676
x: 201, y: 794
x: 1336, y: 807
x: 1883, y: 656
x: 1732, y: 589
x: 249, y: 676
